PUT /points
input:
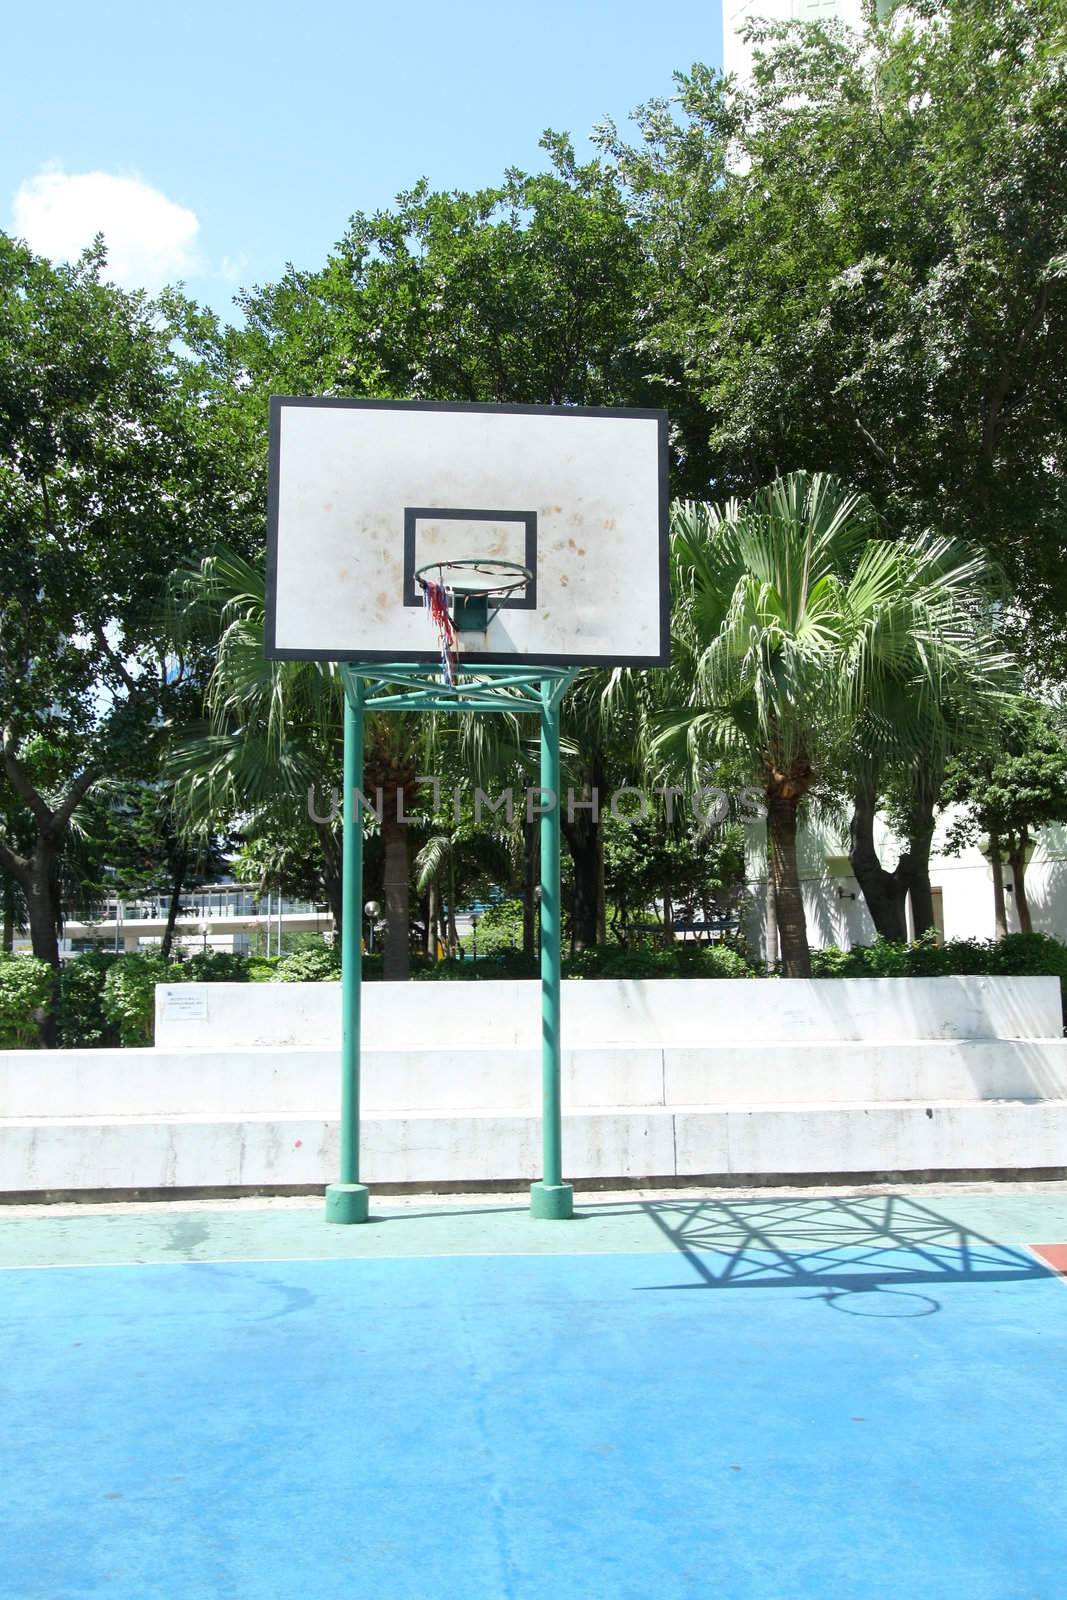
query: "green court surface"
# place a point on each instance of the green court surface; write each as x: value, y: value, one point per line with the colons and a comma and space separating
x: 456, y: 1402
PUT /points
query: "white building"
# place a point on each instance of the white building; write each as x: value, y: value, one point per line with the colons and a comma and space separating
x: 736, y: 14
x: 221, y: 916
x: 837, y: 913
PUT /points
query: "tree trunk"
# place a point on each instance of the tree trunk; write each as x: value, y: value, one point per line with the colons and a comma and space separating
x: 40, y: 906
x: 529, y: 882
x: 431, y: 920
x: 7, y: 941
x: 927, y: 780
x: 792, y: 928
x: 1017, y: 852
x: 771, y: 940
x: 1000, y: 910
x: 330, y: 847
x: 583, y: 836
x: 396, y: 960
x: 585, y: 857
x: 886, y: 893
x: 177, y: 883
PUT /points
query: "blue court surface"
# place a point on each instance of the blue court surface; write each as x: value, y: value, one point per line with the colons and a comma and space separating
x: 753, y: 1399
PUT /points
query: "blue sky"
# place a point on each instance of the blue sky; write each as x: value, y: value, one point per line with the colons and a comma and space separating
x: 216, y: 142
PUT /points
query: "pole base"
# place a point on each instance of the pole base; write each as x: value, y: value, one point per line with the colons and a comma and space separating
x: 347, y: 1202
x: 551, y: 1202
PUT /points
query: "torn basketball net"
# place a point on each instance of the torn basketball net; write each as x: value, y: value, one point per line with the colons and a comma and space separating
x: 435, y: 600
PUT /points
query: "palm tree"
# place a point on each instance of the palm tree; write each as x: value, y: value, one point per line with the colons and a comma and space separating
x: 794, y: 630
x: 274, y: 738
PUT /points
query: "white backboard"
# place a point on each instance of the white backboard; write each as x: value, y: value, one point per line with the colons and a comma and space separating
x: 363, y: 492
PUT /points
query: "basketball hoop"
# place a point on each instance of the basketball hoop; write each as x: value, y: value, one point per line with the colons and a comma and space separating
x: 464, y: 596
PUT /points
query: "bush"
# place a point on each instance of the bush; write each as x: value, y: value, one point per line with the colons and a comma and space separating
x: 603, y: 961
x: 130, y: 995
x: 1020, y: 955
x: 681, y: 960
x: 25, y: 988
x: 321, y: 965
x: 216, y: 966
x: 83, y: 1021
x: 261, y: 969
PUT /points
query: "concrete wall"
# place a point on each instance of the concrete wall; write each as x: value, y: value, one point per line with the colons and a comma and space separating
x: 506, y: 1015
x: 667, y: 1081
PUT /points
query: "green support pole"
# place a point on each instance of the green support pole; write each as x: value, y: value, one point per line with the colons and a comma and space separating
x: 551, y: 1199
x: 348, y: 1200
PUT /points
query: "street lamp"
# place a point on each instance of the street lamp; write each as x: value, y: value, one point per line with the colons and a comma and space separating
x: 474, y: 933
x: 373, y: 909
x: 204, y: 925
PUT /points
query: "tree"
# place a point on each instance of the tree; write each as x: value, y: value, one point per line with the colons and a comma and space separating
x: 140, y: 844
x: 108, y: 479
x: 793, y: 626
x: 695, y: 873
x: 530, y: 291
x: 861, y: 265
x: 1007, y: 793
x: 271, y: 751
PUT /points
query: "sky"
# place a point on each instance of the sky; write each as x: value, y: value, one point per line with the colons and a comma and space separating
x: 214, y: 143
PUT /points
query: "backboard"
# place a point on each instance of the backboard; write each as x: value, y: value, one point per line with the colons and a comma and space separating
x: 365, y: 494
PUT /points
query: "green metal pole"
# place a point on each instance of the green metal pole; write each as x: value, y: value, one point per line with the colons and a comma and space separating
x: 348, y: 1200
x: 551, y: 1199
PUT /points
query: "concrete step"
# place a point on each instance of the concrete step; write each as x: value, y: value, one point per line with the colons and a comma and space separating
x: 263, y: 1151
x: 293, y: 1081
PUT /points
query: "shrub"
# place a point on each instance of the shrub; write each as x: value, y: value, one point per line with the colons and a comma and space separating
x: 1019, y: 955
x: 25, y: 988
x: 216, y: 966
x: 682, y: 960
x: 130, y: 995
x: 321, y: 965
x: 261, y: 969
x: 83, y: 1021
x: 603, y: 961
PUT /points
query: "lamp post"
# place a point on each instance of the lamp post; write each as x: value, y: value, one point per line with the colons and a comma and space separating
x: 372, y: 909
x: 474, y: 934
x: 203, y: 926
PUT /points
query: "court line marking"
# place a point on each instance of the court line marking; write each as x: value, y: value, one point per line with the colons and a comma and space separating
x: 435, y: 1255
x: 277, y: 1261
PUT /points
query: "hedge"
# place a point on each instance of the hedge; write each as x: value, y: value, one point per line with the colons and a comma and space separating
x: 108, y: 999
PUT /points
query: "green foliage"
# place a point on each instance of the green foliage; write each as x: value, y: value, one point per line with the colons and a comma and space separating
x: 261, y: 969
x: 700, y: 870
x: 25, y: 989
x: 83, y: 1021
x: 529, y: 291
x: 1019, y: 785
x: 499, y: 931
x: 502, y: 963
x: 110, y: 475
x: 130, y: 995
x: 681, y: 960
x: 215, y: 966
x: 1018, y: 955
x: 861, y: 263
x: 310, y: 966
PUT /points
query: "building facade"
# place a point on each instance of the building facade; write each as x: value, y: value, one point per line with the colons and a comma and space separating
x: 737, y: 14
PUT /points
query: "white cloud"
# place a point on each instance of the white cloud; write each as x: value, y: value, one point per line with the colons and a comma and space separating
x: 150, y: 240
